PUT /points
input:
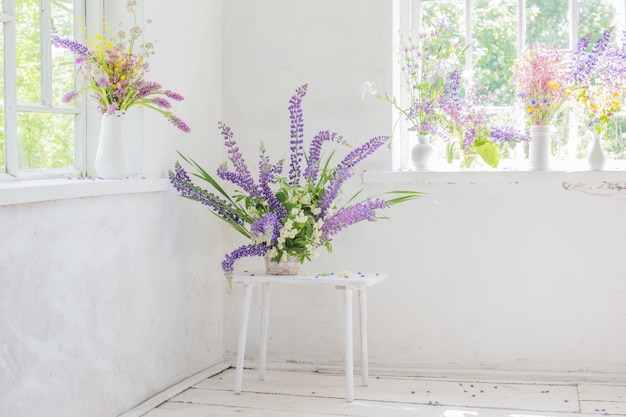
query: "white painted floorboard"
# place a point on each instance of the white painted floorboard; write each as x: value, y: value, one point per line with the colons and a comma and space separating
x: 311, y: 394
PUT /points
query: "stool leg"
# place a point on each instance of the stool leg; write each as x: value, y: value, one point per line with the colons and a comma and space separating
x: 243, y: 331
x: 347, y: 324
x: 363, y: 324
x: 264, y: 320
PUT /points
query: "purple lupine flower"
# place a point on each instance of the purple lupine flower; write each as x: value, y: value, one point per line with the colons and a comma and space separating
x: 347, y: 216
x: 451, y: 89
x: 585, y: 61
x: 268, y: 227
x: 267, y: 172
x: 240, y: 252
x: 311, y: 171
x: 183, y: 184
x: 161, y: 102
x: 297, y: 133
x: 238, y: 161
x: 69, y: 97
x: 344, y: 171
x: 507, y: 134
x: 71, y: 45
x: 111, y: 108
x: 173, y: 95
x: 468, y: 137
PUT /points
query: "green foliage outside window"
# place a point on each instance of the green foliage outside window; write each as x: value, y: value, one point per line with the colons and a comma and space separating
x: 44, y: 140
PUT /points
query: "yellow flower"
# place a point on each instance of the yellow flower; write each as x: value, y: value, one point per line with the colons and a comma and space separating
x: 553, y: 84
x: 531, y: 109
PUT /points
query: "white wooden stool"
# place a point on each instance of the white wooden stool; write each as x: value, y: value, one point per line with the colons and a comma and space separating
x: 347, y: 283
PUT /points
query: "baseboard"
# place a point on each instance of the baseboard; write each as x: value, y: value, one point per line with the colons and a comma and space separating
x: 173, y: 391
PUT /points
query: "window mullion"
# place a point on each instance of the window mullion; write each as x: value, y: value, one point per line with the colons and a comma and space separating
x: 46, y: 51
x: 10, y: 89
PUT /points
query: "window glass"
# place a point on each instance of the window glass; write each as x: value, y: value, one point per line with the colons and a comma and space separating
x: 45, y: 141
x: 494, y: 31
x: 28, y: 51
x: 451, y: 12
x: 63, y: 73
x: 547, y: 22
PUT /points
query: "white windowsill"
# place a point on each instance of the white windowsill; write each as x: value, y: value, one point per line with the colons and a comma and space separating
x: 614, y: 179
x: 22, y: 192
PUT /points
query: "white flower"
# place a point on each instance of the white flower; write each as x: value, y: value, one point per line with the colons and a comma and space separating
x: 443, y: 67
x: 367, y: 87
x: 316, y: 210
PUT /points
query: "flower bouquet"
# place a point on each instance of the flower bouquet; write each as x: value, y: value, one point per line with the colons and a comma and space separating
x: 285, y: 216
x: 426, y: 64
x: 598, y: 80
x: 540, y: 80
x: 469, y: 127
x: 114, y: 69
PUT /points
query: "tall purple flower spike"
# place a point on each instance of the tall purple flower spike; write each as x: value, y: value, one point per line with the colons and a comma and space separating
x: 364, y: 210
x: 345, y: 170
x: 240, y: 252
x: 315, y: 150
x: 241, y: 176
x: 297, y: 134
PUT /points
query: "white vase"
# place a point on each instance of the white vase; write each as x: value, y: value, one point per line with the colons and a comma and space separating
x: 422, y: 153
x: 596, y: 158
x: 112, y: 154
x: 540, y: 148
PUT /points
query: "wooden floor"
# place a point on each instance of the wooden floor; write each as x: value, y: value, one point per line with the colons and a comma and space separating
x: 309, y: 393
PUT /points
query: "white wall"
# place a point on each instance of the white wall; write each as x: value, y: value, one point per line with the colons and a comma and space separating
x: 507, y: 273
x: 106, y: 301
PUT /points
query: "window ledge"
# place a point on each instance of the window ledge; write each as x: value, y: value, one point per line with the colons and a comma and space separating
x: 482, y: 177
x: 22, y: 192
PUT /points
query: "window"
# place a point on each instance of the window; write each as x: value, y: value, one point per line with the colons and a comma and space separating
x: 497, y: 31
x: 40, y: 135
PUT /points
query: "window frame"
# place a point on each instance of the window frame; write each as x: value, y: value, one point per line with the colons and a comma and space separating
x: 407, y: 19
x: 87, y: 14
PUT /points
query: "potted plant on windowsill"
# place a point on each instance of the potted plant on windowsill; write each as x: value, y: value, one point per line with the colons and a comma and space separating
x: 286, y: 218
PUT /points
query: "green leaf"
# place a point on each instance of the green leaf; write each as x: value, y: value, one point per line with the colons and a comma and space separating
x: 488, y: 151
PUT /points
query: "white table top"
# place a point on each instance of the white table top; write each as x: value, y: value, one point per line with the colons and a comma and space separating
x: 343, y: 279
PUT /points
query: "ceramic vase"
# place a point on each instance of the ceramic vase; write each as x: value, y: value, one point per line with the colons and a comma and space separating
x: 596, y: 157
x: 422, y: 153
x: 112, y: 154
x: 540, y: 148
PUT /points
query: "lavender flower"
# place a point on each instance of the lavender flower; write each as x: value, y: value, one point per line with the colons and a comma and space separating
x: 173, y: 95
x: 71, y: 45
x: 178, y: 122
x: 69, y: 97
x: 297, y: 133
x: 161, y: 102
